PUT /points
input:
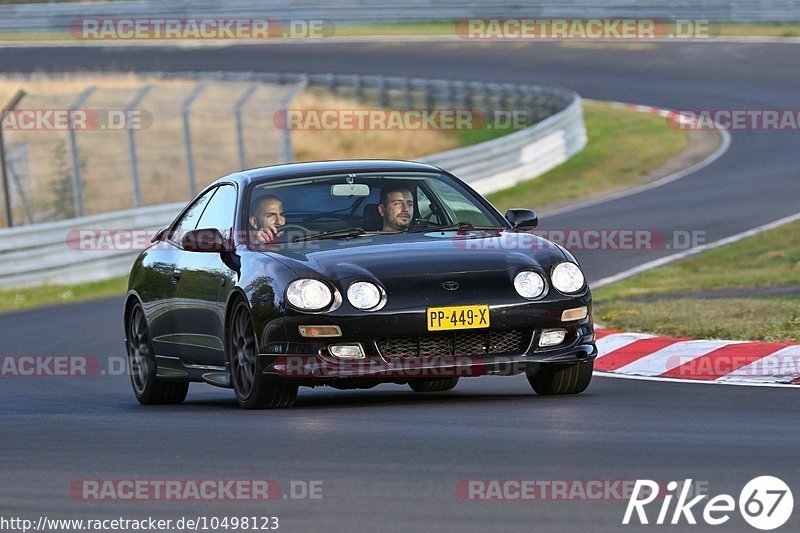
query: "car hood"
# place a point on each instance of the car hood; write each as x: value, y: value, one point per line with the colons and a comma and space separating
x: 416, y: 255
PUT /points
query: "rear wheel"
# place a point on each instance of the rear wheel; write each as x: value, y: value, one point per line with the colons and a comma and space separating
x: 433, y: 385
x: 253, y: 389
x: 149, y: 390
x: 552, y: 379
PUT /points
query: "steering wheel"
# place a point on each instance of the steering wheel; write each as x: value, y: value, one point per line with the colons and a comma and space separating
x: 419, y: 223
x: 291, y: 231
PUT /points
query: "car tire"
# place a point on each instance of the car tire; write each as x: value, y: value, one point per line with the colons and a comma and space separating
x: 433, y: 385
x: 253, y: 389
x: 552, y: 379
x: 142, y: 366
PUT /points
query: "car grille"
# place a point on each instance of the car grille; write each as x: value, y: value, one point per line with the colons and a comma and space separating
x: 512, y: 341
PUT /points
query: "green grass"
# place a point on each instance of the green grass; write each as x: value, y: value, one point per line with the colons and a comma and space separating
x: 769, y: 259
x: 16, y: 299
x: 765, y: 260
x: 622, y: 146
x: 756, y: 319
x: 776, y: 29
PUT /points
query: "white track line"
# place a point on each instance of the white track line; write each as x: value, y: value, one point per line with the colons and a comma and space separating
x: 687, y: 253
x: 723, y: 147
x: 694, y: 381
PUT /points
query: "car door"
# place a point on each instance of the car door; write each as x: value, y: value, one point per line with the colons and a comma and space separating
x: 158, y: 293
x: 199, y: 281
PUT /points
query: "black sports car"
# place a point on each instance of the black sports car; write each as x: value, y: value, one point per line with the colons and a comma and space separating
x: 351, y: 274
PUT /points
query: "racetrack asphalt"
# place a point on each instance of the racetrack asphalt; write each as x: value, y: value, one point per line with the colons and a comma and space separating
x: 389, y: 459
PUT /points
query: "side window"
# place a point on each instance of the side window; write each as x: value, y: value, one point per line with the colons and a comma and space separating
x: 220, y: 210
x: 424, y: 205
x: 463, y: 209
x: 189, y: 220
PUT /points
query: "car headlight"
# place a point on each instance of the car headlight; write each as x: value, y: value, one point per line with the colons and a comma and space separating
x: 568, y: 278
x: 364, y: 295
x: 309, y: 294
x: 529, y: 284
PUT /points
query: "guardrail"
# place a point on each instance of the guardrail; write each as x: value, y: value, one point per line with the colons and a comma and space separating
x: 52, y: 253
x: 50, y: 18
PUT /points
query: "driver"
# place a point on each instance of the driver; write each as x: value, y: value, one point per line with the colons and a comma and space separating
x: 266, y: 217
x: 396, y: 208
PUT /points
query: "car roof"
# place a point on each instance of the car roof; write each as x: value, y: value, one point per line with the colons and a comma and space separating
x: 290, y: 170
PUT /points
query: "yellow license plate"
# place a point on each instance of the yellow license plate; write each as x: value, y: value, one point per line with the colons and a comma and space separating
x: 461, y: 317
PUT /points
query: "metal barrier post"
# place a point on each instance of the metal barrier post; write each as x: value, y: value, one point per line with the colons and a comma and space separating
x: 77, y: 184
x: 239, y: 128
x: 285, y: 150
x: 187, y: 135
x: 137, y: 189
x: 3, y: 169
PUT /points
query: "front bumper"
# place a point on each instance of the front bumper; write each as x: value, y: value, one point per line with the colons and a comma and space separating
x: 397, y: 346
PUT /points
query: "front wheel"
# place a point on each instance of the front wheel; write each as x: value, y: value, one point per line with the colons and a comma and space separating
x: 552, y: 379
x: 253, y: 389
x: 149, y: 390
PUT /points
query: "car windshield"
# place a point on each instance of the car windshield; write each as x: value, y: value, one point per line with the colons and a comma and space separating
x: 351, y: 205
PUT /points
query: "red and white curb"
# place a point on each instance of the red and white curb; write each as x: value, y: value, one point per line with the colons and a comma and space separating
x: 734, y: 362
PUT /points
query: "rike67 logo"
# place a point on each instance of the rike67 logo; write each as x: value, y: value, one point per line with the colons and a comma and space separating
x: 765, y: 503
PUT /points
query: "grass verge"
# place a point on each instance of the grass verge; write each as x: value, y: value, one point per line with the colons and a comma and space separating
x: 622, y: 146
x: 16, y: 299
x: 670, y: 308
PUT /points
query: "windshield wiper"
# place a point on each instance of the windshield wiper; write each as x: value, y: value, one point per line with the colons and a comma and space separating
x: 335, y: 234
x: 460, y: 226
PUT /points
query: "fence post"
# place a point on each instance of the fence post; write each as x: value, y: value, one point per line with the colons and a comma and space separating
x: 358, y: 89
x: 428, y: 94
x: 187, y: 135
x: 3, y: 168
x: 239, y: 128
x: 381, y: 88
x: 285, y: 150
x: 77, y: 184
x: 137, y: 189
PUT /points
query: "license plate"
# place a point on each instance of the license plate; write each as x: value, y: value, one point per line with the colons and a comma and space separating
x: 461, y: 317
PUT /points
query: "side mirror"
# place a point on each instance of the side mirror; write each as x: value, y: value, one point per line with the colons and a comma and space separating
x: 159, y: 236
x: 204, y: 240
x: 522, y: 218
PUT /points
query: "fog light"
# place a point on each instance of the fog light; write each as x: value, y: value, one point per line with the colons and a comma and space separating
x: 552, y: 337
x: 579, y: 313
x: 320, y: 331
x: 347, y: 351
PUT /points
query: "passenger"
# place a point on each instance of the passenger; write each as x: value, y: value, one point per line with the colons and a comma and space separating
x: 266, y: 218
x: 396, y: 208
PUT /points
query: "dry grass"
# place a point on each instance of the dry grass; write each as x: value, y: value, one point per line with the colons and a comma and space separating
x: 312, y: 145
x: 105, y: 156
x: 163, y: 169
